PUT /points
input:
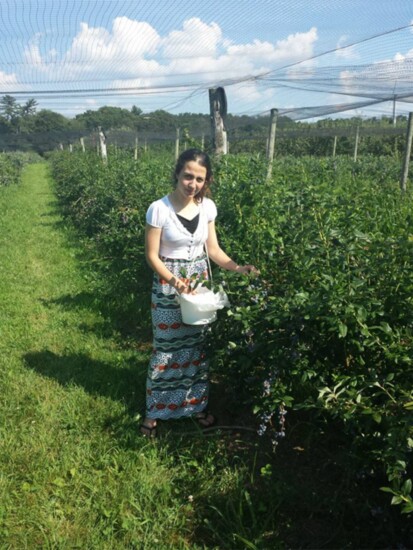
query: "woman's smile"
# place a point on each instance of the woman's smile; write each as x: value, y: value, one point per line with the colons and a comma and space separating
x: 191, y: 179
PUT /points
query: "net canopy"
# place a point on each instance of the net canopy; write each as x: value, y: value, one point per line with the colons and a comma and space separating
x: 307, y: 58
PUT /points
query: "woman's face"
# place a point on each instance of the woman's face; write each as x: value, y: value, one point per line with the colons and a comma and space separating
x: 191, y: 179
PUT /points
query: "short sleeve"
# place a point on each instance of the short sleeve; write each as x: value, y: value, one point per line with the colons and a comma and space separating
x: 156, y: 214
x: 210, y: 209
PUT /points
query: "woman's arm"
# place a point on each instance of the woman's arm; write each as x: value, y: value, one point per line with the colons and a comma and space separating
x: 218, y: 256
x: 152, y: 245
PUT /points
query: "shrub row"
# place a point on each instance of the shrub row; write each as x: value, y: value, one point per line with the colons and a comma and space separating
x: 327, y: 326
x: 12, y: 164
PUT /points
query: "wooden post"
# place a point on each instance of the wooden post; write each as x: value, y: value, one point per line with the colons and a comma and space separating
x: 407, y: 152
x: 334, y: 146
x: 394, y: 111
x: 356, y: 144
x: 177, y: 144
x: 70, y: 148
x: 202, y: 141
x: 271, y: 141
x: 136, y: 148
x: 82, y: 144
x: 102, y: 141
x: 218, y: 112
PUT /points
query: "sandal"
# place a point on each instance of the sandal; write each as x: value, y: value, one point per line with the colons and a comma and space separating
x: 148, y: 431
x: 206, y: 419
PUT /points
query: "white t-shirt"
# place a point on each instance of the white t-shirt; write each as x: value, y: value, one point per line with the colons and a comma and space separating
x: 176, y: 241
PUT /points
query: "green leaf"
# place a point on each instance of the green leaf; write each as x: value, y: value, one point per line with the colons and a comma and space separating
x: 385, y: 327
x: 407, y: 487
x: 377, y: 417
x: 342, y: 329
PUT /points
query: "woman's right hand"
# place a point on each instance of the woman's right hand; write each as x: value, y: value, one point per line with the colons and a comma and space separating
x: 183, y: 286
x: 183, y: 289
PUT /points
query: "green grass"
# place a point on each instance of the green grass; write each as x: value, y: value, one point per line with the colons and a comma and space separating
x: 74, y: 473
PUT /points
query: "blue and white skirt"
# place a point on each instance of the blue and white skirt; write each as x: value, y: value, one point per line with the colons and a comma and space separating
x: 177, y: 383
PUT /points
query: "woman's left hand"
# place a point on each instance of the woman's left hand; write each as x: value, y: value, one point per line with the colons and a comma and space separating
x: 247, y: 269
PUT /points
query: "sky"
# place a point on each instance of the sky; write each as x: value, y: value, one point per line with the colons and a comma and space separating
x: 305, y: 58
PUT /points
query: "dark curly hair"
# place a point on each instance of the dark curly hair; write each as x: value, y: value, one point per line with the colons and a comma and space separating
x: 202, y: 159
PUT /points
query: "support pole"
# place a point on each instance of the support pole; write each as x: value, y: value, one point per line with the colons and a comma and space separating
x: 135, y: 156
x: 177, y: 144
x: 334, y: 146
x: 271, y: 141
x: 406, y: 162
x: 218, y: 111
x: 394, y: 111
x: 102, y: 141
x: 356, y: 144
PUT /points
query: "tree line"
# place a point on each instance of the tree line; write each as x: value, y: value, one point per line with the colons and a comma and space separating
x: 24, y: 127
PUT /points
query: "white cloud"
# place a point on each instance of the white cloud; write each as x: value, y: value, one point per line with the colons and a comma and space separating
x: 133, y: 55
x: 134, y: 49
x: 128, y: 39
x: 32, y: 54
x: 195, y: 39
x: 295, y: 47
x: 344, y: 51
x: 8, y: 78
x: 124, y: 51
x: 402, y: 57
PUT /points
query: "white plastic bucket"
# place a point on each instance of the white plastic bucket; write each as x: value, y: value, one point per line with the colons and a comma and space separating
x: 201, y: 308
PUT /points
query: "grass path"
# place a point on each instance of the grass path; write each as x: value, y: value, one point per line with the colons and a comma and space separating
x: 73, y: 472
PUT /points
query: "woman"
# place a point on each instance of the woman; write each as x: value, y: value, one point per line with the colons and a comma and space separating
x: 178, y: 227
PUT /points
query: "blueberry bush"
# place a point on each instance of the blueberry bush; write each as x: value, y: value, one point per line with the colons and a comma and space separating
x: 11, y: 166
x: 326, y: 327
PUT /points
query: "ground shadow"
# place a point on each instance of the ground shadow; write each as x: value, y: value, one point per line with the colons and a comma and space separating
x: 123, y: 304
x: 124, y: 383
x: 114, y: 319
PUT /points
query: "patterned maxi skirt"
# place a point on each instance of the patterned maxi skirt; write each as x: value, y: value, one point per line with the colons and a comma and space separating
x: 177, y: 383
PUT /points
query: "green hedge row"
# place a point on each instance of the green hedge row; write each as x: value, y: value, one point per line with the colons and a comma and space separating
x: 12, y: 164
x: 327, y: 326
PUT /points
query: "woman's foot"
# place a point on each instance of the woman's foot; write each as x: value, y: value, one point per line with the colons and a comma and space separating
x: 148, y: 428
x: 206, y: 419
